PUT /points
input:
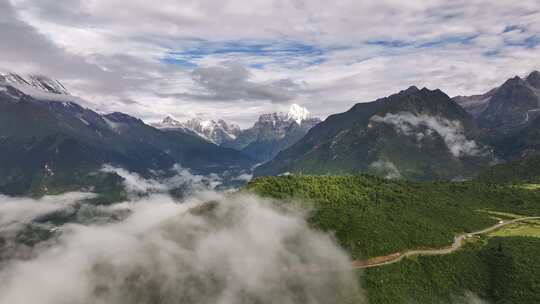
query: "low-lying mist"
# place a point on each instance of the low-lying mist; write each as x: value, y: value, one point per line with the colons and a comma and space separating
x: 210, y: 248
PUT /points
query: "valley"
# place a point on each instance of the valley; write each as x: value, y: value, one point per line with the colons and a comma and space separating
x: 412, y: 196
x: 269, y: 152
x: 494, y: 262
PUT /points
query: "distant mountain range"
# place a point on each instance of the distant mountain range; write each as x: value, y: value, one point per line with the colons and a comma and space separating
x: 422, y: 135
x: 510, y: 114
x: 34, y: 84
x: 414, y: 134
x: 49, y: 142
x: 217, y: 132
x: 271, y: 134
x: 502, y: 110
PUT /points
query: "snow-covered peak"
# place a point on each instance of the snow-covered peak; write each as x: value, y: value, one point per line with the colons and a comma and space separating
x: 39, y: 87
x: 213, y: 131
x: 298, y: 113
x: 207, y: 124
x: 171, y: 122
x: 31, y: 83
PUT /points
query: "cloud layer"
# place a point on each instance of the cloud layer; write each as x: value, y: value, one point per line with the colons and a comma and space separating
x: 388, y: 168
x: 151, y: 60
x: 450, y: 131
x: 211, y: 248
x: 231, y: 82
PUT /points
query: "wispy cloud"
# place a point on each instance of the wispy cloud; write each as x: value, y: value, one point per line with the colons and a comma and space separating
x: 451, y: 132
x: 245, y: 48
x: 117, y: 50
x: 208, y: 249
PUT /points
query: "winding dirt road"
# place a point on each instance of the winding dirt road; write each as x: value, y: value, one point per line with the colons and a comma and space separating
x: 458, y: 243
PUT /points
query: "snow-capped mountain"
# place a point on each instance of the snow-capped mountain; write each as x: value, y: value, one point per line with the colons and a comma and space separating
x: 46, y: 142
x: 39, y: 87
x: 435, y: 139
x: 274, y: 132
x: 298, y: 113
x: 277, y: 122
x: 171, y: 123
x: 277, y: 125
x: 34, y: 82
x: 271, y: 133
x: 213, y: 131
x: 216, y: 131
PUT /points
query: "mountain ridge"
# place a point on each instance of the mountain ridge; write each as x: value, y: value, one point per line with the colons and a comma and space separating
x: 274, y: 132
x: 40, y: 82
x: 271, y: 133
x: 508, y: 107
x: 51, y: 145
x: 418, y: 134
x: 509, y: 115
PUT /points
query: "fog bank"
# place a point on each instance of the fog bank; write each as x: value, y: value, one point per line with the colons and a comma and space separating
x: 211, y: 248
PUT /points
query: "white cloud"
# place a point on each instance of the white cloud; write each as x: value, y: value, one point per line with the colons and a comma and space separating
x: 111, y: 52
x: 134, y: 183
x: 137, y: 186
x: 15, y: 212
x: 388, y: 168
x: 240, y: 250
x: 231, y: 82
x: 243, y: 177
x: 451, y: 131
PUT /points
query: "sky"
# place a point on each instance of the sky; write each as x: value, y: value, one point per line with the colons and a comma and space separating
x: 235, y: 59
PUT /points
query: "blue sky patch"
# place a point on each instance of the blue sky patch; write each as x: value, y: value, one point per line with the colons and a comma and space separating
x: 491, y: 53
x: 511, y: 28
x: 170, y: 60
x: 389, y: 43
x: 393, y: 44
x: 530, y: 42
x: 448, y: 40
x: 261, y: 53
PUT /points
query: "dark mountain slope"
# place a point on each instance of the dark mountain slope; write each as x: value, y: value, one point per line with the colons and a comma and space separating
x: 525, y: 170
x: 509, y: 114
x: 271, y: 134
x: 475, y: 104
x: 415, y: 134
x: 510, y: 107
x: 47, y: 142
x: 507, y: 108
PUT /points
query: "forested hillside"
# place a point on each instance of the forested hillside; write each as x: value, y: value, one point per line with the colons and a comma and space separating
x: 372, y: 216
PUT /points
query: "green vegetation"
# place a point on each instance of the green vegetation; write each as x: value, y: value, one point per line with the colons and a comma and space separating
x: 523, y: 171
x: 503, y: 271
x: 531, y: 186
x: 366, y: 140
x: 502, y: 215
x: 526, y: 228
x: 372, y: 216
